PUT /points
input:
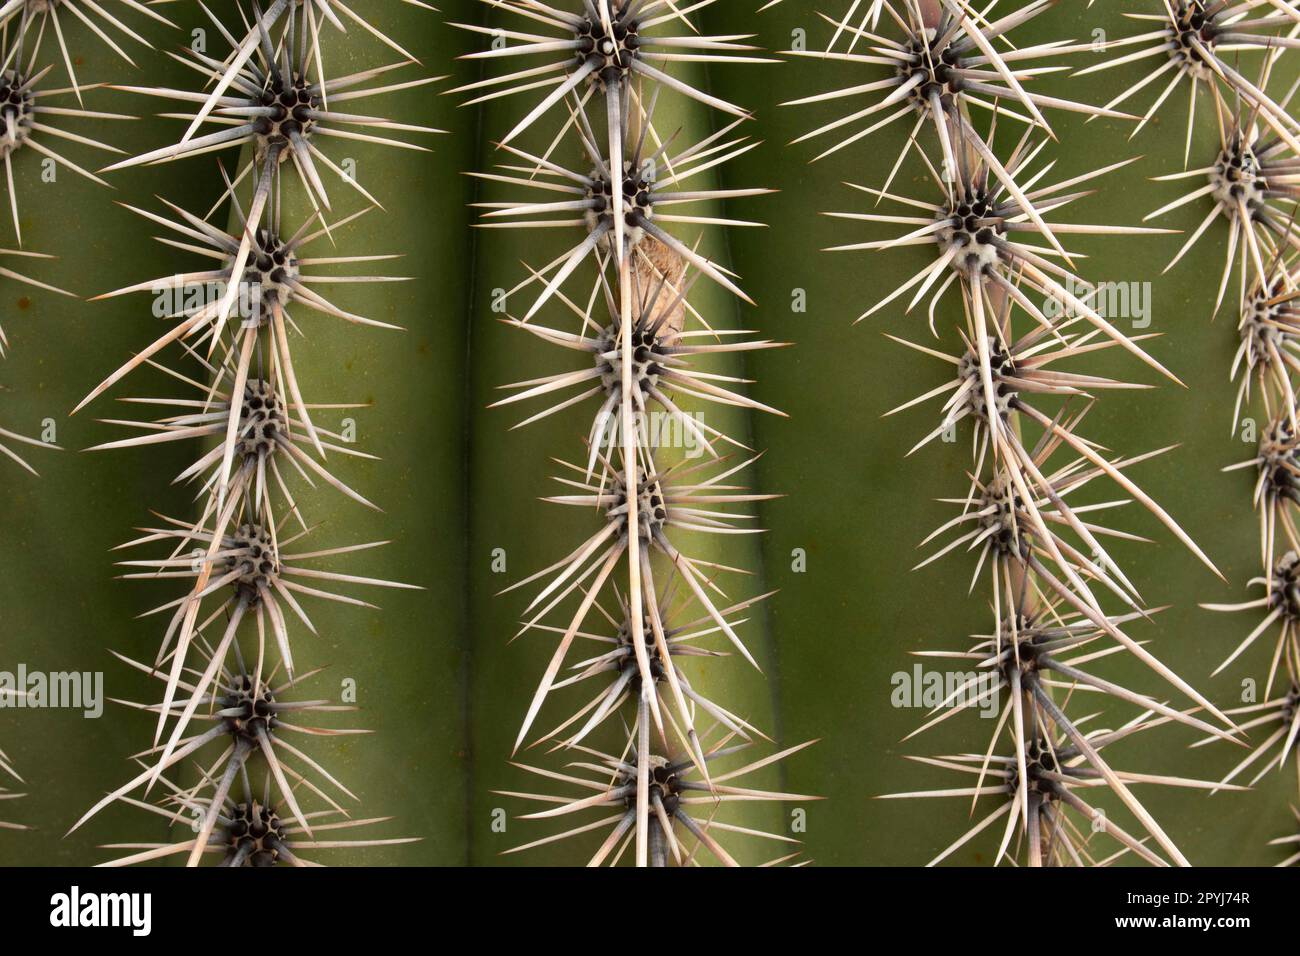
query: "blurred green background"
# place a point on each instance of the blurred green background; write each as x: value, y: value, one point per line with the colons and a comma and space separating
x: 438, y: 680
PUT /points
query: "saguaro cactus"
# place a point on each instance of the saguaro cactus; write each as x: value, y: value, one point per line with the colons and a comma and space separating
x: 385, y: 275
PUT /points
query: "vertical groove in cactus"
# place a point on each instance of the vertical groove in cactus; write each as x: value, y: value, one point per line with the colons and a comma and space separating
x: 436, y: 675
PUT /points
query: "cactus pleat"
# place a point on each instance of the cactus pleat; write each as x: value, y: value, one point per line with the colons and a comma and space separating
x: 920, y: 611
x: 429, y: 684
x: 671, y: 123
x: 264, y: 576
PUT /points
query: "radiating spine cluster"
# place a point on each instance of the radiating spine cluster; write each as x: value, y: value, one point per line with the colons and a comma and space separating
x: 230, y: 700
x: 1025, y: 318
x: 623, y: 184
